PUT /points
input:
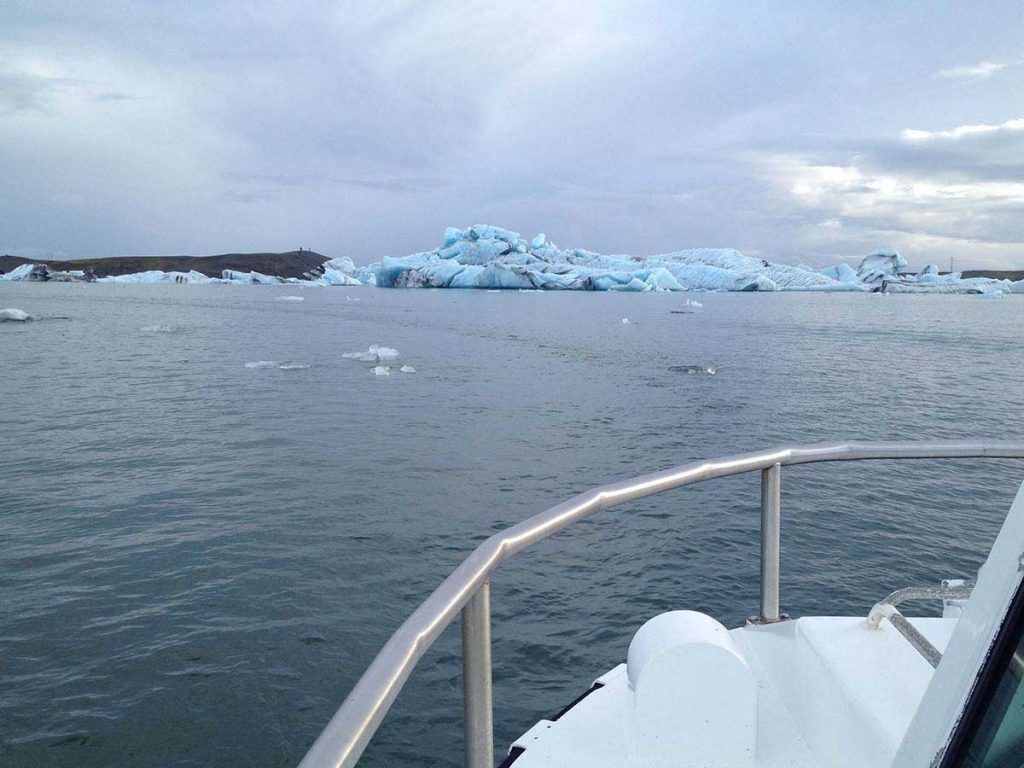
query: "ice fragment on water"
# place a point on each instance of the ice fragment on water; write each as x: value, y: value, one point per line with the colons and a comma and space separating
x: 15, y: 316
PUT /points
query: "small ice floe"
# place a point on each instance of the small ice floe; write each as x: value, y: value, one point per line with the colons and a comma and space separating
x: 287, y: 365
x: 290, y: 298
x: 694, y: 304
x: 15, y: 316
x: 382, y: 370
x: 158, y: 328
x: 627, y: 321
x: 407, y: 369
x: 349, y: 298
x: 375, y: 354
x: 695, y: 370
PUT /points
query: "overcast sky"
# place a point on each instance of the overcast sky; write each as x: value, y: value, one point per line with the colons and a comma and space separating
x: 795, y: 132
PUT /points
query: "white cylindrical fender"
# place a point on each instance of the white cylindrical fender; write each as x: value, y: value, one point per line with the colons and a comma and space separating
x: 695, y: 697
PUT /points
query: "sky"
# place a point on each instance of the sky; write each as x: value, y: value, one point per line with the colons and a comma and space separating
x: 797, y: 132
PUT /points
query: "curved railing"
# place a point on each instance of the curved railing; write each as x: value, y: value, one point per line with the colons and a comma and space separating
x: 467, y: 588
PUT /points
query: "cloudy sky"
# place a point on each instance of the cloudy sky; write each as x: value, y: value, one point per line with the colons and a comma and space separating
x: 797, y: 132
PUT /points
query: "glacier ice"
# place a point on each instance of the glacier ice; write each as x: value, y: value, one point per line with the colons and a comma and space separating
x: 492, y: 258
x: 705, y: 370
x: 290, y: 298
x: 407, y: 369
x: 15, y: 316
x: 375, y: 354
x: 287, y: 365
x: 382, y: 370
x: 18, y: 273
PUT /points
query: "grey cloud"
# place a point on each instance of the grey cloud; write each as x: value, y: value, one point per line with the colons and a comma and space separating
x: 21, y: 92
x: 364, y: 129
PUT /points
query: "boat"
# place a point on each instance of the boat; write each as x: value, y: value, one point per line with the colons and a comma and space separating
x: 882, y: 688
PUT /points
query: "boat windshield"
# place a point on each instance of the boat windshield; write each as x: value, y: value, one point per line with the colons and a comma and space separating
x: 999, y: 740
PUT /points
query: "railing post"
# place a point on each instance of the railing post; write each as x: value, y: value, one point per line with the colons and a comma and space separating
x: 771, y: 523
x: 476, y: 679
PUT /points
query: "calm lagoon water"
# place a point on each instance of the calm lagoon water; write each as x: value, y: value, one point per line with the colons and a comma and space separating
x: 199, y: 558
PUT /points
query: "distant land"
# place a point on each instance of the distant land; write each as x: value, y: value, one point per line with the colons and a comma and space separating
x: 995, y: 274
x: 290, y: 264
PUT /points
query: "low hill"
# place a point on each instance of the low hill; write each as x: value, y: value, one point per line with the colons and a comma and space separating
x: 290, y: 264
x: 996, y: 274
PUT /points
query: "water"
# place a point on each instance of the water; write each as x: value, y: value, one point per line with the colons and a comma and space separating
x: 200, y: 558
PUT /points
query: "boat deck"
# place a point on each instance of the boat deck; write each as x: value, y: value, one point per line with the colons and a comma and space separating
x: 829, y: 692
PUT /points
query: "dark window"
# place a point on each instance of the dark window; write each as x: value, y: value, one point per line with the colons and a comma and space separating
x: 991, y: 732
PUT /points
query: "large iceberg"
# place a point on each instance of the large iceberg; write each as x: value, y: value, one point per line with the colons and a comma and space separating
x: 488, y: 257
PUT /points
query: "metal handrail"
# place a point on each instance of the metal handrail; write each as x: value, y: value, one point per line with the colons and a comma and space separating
x: 343, y: 740
x: 886, y: 609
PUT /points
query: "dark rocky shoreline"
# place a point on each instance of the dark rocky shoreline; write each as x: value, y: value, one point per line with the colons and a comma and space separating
x: 289, y: 264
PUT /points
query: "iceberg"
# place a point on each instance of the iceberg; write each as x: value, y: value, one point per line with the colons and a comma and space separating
x: 487, y: 257
x: 15, y: 316
x: 375, y: 354
x: 288, y: 365
x: 19, y: 273
x: 159, y: 329
x: 159, y: 276
x: 341, y: 271
x: 41, y: 273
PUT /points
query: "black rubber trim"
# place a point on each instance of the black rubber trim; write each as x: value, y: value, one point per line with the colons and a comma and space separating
x: 577, y: 700
x: 515, y: 752
x: 991, y: 675
x: 513, y: 755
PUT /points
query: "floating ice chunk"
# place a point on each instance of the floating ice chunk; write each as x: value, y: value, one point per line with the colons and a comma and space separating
x: 19, y: 273
x: 694, y: 304
x: 375, y: 354
x: 258, y: 364
x: 159, y: 276
x: 626, y: 321
x: 705, y: 370
x: 407, y: 369
x: 15, y: 316
x: 290, y: 298
x: 290, y: 366
x: 159, y: 328
x: 382, y: 370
